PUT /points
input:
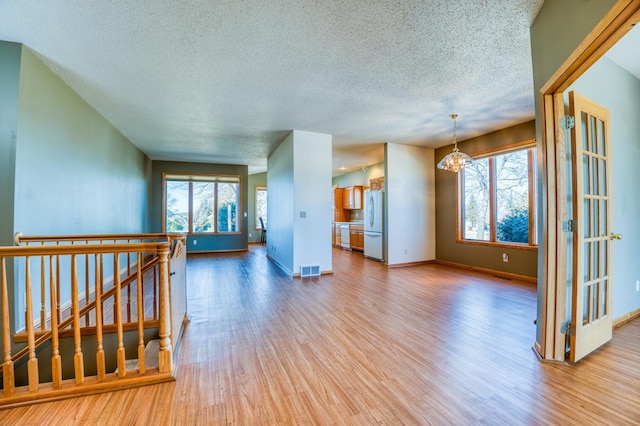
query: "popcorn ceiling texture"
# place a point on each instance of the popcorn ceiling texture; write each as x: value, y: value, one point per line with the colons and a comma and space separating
x: 225, y: 81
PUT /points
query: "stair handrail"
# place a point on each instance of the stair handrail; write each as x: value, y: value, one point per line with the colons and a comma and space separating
x: 19, y: 238
x: 56, y: 250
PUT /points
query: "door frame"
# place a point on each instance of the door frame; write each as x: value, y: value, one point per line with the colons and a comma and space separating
x: 615, y: 24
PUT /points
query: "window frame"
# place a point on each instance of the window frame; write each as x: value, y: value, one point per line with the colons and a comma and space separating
x: 528, y: 145
x: 202, y: 177
x: 255, y: 205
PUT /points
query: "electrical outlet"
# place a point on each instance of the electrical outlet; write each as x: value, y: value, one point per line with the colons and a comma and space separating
x: 505, y: 257
x: 249, y: 234
x: 195, y: 242
x: 637, y: 285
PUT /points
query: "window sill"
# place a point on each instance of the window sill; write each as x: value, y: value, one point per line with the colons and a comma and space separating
x: 497, y: 244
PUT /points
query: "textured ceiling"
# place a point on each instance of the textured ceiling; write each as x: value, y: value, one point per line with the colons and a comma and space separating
x: 225, y: 81
x: 626, y: 52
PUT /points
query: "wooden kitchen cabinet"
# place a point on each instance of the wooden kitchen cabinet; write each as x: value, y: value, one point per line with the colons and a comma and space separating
x: 338, y: 209
x: 356, y: 233
x: 337, y: 238
x: 377, y: 184
x: 352, y: 197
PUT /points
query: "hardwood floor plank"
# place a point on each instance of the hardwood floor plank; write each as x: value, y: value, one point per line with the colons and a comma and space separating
x: 421, y: 345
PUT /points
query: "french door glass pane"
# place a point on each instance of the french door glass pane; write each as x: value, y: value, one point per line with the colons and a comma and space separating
x: 177, y: 207
x: 512, y: 197
x: 476, y: 201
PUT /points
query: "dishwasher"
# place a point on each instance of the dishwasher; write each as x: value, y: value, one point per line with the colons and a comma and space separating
x: 345, y: 237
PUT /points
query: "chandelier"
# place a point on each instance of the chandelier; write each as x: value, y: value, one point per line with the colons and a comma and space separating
x: 455, y: 160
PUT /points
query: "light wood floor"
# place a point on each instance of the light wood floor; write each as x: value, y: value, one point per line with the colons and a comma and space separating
x: 418, y: 345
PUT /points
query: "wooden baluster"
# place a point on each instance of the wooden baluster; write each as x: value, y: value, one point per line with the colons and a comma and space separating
x: 32, y: 364
x: 98, y: 298
x: 142, y: 291
x: 141, y: 360
x: 7, y: 365
x: 120, y: 355
x: 58, y: 285
x: 78, y: 360
x: 116, y: 274
x: 129, y: 286
x: 56, y: 361
x: 87, y: 321
x: 165, y: 353
x: 155, y: 292
x: 43, y: 311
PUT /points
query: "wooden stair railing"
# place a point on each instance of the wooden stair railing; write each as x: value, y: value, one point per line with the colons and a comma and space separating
x: 20, y: 239
x: 44, y: 337
x: 71, y: 250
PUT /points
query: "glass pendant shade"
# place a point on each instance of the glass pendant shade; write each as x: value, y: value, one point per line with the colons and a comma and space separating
x: 455, y: 160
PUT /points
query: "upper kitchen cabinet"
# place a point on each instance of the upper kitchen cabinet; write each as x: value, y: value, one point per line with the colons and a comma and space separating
x: 377, y: 184
x: 338, y: 209
x: 352, y: 198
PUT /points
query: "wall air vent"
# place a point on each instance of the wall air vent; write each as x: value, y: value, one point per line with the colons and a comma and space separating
x: 309, y: 271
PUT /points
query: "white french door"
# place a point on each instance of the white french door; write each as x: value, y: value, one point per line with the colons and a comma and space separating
x: 592, y: 238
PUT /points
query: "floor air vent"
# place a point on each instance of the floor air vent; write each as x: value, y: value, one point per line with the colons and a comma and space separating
x: 310, y: 271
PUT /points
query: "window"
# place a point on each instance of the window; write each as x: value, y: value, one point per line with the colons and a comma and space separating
x: 261, y: 206
x: 497, y: 199
x: 200, y: 204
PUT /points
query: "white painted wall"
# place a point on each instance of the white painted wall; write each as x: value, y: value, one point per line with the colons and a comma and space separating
x: 280, y: 205
x: 410, y: 204
x: 299, y: 182
x: 312, y: 186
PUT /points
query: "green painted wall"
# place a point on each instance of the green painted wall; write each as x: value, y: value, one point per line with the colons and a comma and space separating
x: 521, y: 262
x: 75, y: 173
x: 359, y: 177
x: 205, y: 243
x: 64, y: 169
x: 10, y: 54
x: 258, y: 179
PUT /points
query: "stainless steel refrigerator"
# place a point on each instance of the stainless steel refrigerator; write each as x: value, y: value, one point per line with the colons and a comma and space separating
x: 373, y: 224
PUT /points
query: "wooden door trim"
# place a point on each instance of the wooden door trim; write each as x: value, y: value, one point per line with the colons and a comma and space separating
x: 615, y: 24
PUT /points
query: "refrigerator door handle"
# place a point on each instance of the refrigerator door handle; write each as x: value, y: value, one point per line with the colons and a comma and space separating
x: 371, y: 210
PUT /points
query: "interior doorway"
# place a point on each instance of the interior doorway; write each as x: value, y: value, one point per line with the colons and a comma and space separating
x: 558, y: 303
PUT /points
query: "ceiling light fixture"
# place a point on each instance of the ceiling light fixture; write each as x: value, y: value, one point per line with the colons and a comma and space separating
x: 455, y: 160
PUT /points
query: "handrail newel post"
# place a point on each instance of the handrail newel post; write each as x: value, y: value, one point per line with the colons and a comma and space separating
x: 165, y: 355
